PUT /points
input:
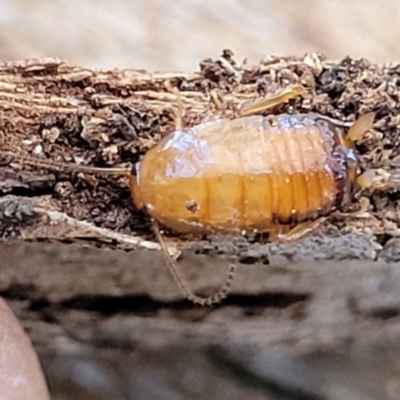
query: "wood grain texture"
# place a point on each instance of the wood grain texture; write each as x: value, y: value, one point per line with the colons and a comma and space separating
x: 158, y: 37
x: 326, y: 307
x: 56, y: 111
x: 334, y: 324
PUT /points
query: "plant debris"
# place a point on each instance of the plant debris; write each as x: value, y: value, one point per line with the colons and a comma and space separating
x: 57, y: 111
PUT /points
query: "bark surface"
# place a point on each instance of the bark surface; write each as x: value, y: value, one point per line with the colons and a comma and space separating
x: 317, y: 319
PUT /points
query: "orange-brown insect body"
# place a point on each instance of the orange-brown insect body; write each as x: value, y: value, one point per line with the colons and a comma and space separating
x: 250, y: 173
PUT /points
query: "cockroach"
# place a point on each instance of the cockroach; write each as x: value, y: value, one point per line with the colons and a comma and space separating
x: 279, y: 174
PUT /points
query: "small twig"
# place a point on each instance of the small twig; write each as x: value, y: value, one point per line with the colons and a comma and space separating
x: 59, y: 217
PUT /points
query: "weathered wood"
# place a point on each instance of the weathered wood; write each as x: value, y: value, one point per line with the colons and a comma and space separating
x: 157, y: 37
x: 60, y: 112
x: 315, y: 306
x: 117, y: 311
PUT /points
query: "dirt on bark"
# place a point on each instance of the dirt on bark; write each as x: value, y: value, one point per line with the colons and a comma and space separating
x: 310, y: 320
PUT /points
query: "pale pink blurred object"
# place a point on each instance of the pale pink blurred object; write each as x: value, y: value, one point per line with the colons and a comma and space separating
x: 21, y: 377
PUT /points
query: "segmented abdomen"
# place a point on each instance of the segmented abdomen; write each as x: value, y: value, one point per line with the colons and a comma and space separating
x: 246, y: 173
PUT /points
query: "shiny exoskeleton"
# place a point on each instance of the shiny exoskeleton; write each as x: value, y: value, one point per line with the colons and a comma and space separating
x: 249, y: 173
x: 268, y: 174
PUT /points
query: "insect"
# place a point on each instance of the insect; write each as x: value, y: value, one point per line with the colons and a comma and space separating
x: 278, y: 174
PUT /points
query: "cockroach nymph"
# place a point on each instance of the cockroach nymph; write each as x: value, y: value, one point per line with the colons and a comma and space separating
x: 279, y: 174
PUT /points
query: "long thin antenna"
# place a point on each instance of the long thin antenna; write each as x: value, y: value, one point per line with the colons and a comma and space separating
x: 59, y: 166
x: 202, y: 301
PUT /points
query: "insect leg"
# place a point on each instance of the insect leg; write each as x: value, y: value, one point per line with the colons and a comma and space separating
x: 378, y: 179
x: 300, y: 230
x: 360, y: 127
x: 203, y: 301
x: 272, y: 101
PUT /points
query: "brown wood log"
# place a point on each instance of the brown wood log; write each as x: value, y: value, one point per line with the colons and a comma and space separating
x: 326, y: 307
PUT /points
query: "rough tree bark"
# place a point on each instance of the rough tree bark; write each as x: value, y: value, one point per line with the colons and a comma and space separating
x: 311, y: 320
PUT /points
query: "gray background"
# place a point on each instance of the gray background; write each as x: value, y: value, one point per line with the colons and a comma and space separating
x: 162, y: 35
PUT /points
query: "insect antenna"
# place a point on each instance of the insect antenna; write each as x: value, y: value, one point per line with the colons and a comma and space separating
x: 60, y: 166
x: 179, y: 279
